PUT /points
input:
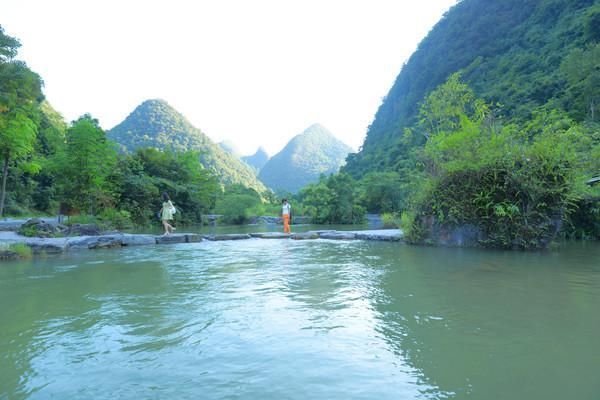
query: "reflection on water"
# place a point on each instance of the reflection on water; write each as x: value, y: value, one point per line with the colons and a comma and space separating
x: 262, y: 319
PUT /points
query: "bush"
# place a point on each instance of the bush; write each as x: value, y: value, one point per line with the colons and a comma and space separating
x: 117, y: 219
x: 15, y: 250
x: 391, y: 220
x: 513, y: 205
x: 333, y: 200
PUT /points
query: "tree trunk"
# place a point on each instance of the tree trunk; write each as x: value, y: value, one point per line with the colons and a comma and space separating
x: 3, y: 192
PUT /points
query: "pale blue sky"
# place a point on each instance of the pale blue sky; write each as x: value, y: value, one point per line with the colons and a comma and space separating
x: 252, y: 72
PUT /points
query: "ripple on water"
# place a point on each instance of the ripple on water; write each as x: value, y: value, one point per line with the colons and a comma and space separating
x: 292, y: 319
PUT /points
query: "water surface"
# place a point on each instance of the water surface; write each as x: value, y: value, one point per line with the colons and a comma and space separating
x: 283, y: 319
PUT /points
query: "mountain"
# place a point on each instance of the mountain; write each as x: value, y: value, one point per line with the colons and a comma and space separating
x: 230, y: 148
x: 508, y: 51
x: 257, y: 160
x: 312, y: 153
x: 154, y: 123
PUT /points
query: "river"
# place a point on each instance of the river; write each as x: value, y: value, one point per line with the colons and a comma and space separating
x: 284, y: 319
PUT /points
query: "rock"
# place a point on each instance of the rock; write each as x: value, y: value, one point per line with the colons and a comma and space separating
x: 193, y: 238
x: 37, y: 227
x: 137, y: 240
x: 8, y: 255
x: 231, y: 236
x: 210, y: 219
x: 95, y: 242
x: 10, y: 225
x: 381, y: 235
x: 83, y: 230
x: 172, y: 238
x: 270, y: 235
x: 43, y: 245
x: 305, y: 236
x: 105, y: 242
x: 338, y: 235
x: 80, y: 242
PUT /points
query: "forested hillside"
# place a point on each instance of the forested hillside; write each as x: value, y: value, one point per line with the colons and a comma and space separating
x: 154, y: 123
x: 489, y: 133
x: 510, y: 53
x: 312, y: 153
x: 257, y: 160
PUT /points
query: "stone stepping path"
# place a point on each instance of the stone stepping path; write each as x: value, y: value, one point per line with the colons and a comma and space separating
x: 60, y: 245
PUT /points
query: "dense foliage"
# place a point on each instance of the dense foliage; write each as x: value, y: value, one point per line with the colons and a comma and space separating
x: 510, y: 52
x: 20, y: 94
x: 237, y: 204
x: 333, y: 200
x: 147, y: 173
x: 308, y: 155
x: 154, y: 123
x: 53, y: 167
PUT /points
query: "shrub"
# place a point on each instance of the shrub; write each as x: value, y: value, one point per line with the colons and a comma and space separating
x: 390, y: 220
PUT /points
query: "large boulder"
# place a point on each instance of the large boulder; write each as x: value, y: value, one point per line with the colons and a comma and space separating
x: 47, y: 245
x: 193, y: 237
x: 231, y: 236
x: 392, y: 235
x: 95, y: 242
x: 37, y: 227
x: 305, y: 236
x: 338, y: 235
x: 173, y: 238
x: 83, y: 230
x: 270, y: 235
x: 137, y: 240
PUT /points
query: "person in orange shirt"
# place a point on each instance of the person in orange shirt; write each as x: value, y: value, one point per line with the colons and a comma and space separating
x: 286, y: 215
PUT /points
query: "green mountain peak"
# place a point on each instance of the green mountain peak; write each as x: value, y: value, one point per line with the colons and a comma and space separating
x: 314, y: 152
x: 155, y: 123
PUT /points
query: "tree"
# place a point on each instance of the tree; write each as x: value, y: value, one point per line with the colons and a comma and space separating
x: 83, y: 169
x: 332, y: 200
x: 582, y: 70
x: 20, y: 92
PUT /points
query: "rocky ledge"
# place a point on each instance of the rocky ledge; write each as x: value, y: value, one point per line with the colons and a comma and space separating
x: 60, y: 245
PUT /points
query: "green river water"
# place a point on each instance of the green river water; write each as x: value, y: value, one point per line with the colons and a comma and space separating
x: 284, y: 319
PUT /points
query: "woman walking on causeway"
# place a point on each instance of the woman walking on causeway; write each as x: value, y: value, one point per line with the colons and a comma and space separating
x: 286, y: 215
x: 166, y: 214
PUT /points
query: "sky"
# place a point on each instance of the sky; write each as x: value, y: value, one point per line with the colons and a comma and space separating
x: 255, y: 73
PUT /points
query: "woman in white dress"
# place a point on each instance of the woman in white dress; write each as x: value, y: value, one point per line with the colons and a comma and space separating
x: 166, y: 214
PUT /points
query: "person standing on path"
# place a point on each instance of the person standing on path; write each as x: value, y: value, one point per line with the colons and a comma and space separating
x: 286, y: 215
x: 166, y: 214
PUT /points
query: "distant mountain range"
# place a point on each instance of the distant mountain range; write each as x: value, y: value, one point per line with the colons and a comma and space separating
x: 257, y: 160
x: 308, y: 155
x: 154, y: 123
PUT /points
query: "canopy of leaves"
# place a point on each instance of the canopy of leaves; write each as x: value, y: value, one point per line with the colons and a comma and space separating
x: 332, y: 200
x: 143, y: 176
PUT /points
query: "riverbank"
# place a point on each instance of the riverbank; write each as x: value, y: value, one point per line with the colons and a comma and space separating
x: 64, y: 244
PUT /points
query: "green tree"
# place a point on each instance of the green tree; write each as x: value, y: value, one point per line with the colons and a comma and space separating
x: 20, y: 91
x: 142, y: 177
x: 88, y: 160
x: 382, y: 192
x: 582, y: 70
x: 333, y: 200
